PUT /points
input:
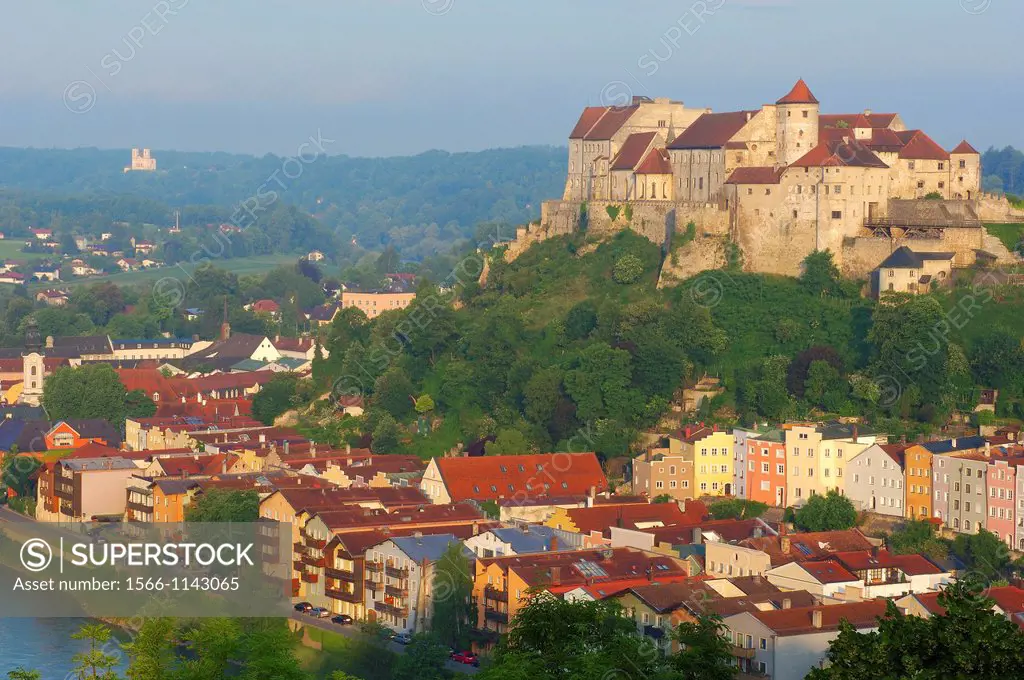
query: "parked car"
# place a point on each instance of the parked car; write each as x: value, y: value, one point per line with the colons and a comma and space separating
x: 320, y: 612
x: 342, y: 620
x: 468, y: 658
x: 402, y: 638
x: 303, y: 607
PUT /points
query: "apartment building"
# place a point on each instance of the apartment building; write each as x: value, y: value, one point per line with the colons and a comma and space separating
x: 765, y: 460
x: 816, y: 457
x: 875, y: 479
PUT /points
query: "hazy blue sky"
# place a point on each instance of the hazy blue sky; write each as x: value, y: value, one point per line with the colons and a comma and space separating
x: 387, y: 77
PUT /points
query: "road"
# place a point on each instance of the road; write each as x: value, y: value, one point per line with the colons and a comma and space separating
x: 353, y: 632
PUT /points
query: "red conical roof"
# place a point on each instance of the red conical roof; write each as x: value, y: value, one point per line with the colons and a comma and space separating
x: 964, y: 147
x: 800, y: 94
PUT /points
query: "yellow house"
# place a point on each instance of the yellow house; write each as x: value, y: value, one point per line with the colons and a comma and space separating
x: 710, y: 452
x: 816, y: 456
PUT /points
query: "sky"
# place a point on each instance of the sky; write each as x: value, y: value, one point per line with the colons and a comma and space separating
x: 398, y: 77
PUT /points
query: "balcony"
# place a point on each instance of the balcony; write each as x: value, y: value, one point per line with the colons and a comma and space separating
x: 298, y: 547
x: 343, y: 595
x: 315, y: 543
x: 316, y: 562
x: 395, y: 591
x: 492, y: 593
x: 298, y: 565
x: 386, y: 608
x: 310, y: 578
x: 395, y: 572
x: 495, y: 615
x: 374, y: 566
x: 655, y: 632
x: 743, y: 652
x: 374, y: 585
x: 140, y: 508
x: 341, y: 575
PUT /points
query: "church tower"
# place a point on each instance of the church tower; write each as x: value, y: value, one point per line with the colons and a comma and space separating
x: 796, y: 130
x: 32, y: 366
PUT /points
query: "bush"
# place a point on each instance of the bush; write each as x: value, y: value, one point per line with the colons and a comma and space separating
x: 628, y: 269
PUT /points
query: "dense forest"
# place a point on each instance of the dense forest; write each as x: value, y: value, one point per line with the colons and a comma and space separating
x: 421, y: 204
x: 1003, y: 170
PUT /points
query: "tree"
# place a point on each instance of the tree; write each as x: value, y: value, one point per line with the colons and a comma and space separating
x: 453, y: 591
x: 424, y: 659
x: 220, y: 505
x: 581, y: 320
x: 909, y: 350
x: 269, y: 653
x: 824, y: 387
x: 820, y: 275
x: 555, y: 638
x: 918, y: 537
x: 21, y: 673
x: 831, y: 512
x: 385, y: 435
x: 706, y: 651
x: 213, y: 644
x: 796, y: 374
x: 151, y: 653
x: 987, y: 558
x: 95, y: 663
x: 508, y: 442
x: 425, y: 404
x: 736, y: 508
x: 138, y: 405
x: 275, y: 398
x: 628, y: 269
x: 969, y: 640
x: 86, y: 392
x: 393, y: 393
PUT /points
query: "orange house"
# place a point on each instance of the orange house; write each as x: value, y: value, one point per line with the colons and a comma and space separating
x: 918, y: 485
x: 63, y: 436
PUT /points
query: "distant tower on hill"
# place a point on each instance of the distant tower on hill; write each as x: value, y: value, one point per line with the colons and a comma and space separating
x: 33, y: 365
x: 796, y: 124
x: 142, y: 161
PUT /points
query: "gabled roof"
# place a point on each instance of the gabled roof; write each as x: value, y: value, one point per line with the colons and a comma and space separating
x: 529, y: 539
x: 958, y: 444
x: 712, y: 130
x: 611, y: 122
x: 800, y: 620
x: 920, y: 146
x: 430, y: 547
x: 846, y: 152
x: 857, y: 120
x: 543, y: 474
x: 800, y: 94
x: 633, y: 150
x: 884, y: 140
x: 636, y: 516
x: 963, y: 148
x: 755, y: 175
x: 656, y: 162
x: 826, y: 571
x: 587, y: 120
x: 863, y: 560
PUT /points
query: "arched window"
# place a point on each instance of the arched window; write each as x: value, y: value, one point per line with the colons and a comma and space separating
x: 654, y: 190
x: 32, y: 371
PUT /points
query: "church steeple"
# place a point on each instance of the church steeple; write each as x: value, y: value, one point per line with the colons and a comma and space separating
x: 33, y: 341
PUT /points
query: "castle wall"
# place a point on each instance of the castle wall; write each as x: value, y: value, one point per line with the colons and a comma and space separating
x: 862, y: 254
x: 652, y: 219
x: 964, y: 175
x: 700, y: 173
x: 995, y: 208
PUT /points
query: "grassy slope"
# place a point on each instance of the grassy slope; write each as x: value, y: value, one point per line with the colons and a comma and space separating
x: 1009, y: 234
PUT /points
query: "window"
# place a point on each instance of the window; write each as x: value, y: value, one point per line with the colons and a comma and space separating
x: 942, y: 185
x: 765, y: 468
x: 910, y: 165
x: 942, y: 166
x: 804, y: 112
x: 837, y: 214
x: 659, y: 484
x: 920, y: 184
x: 963, y: 164
x: 780, y: 469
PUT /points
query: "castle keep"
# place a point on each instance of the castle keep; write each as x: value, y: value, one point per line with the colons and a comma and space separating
x: 781, y: 181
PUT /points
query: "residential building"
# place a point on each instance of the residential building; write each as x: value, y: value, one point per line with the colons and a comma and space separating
x: 375, y: 303
x: 816, y: 457
x: 959, y: 479
x: 659, y: 472
x: 709, y: 452
x: 1006, y: 600
x: 765, y: 460
x: 515, y: 478
x: 85, y: 490
x: 875, y: 479
x: 756, y: 555
x: 1002, y: 501
x: 786, y: 644
x: 595, y: 523
x: 517, y: 540
x: 916, y: 272
x: 918, y: 467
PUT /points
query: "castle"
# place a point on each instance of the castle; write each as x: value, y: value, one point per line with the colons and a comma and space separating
x: 780, y: 181
x: 142, y: 161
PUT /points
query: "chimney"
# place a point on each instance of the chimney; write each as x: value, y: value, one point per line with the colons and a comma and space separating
x: 348, y: 449
x: 286, y: 447
x: 816, y: 618
x: 988, y: 449
x: 874, y: 551
x: 554, y: 544
x: 696, y: 540
x: 277, y: 338
x: 784, y: 543
x: 867, y: 112
x: 476, y: 528
x: 650, y: 574
x: 556, y: 575
x: 224, y: 466
x: 952, y: 442
x: 787, y: 603
x: 748, y: 116
x: 855, y: 434
x: 225, y: 331
x: 591, y: 494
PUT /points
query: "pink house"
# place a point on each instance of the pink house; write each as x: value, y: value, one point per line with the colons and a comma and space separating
x: 1002, y: 480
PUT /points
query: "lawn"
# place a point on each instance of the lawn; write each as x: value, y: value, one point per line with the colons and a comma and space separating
x: 10, y: 249
x: 1009, y: 234
x: 360, y: 658
x: 240, y: 265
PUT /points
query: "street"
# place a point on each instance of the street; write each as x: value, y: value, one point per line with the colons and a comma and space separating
x: 352, y: 631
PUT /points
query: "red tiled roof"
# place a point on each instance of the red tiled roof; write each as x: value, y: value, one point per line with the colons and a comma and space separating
x: 920, y: 146
x: 712, y: 130
x: 293, y: 344
x: 964, y: 147
x: 221, y: 381
x: 755, y: 175
x: 862, y: 560
x: 895, y: 451
x: 825, y: 571
x: 265, y: 306
x: 587, y: 567
x: 846, y: 153
x: 149, y: 380
x: 610, y: 123
x: 94, y: 450
x: 800, y: 620
x: 602, y: 518
x: 884, y: 139
x: 731, y: 530
x: 857, y: 120
x: 633, y: 150
x: 587, y: 120
x: 800, y: 94
x: 656, y: 162
x: 809, y: 546
x: 542, y: 474
x: 1008, y: 598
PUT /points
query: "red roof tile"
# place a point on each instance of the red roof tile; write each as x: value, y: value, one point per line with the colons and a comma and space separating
x: 849, y: 153
x: 566, y: 569
x: 800, y: 94
x: 857, y: 120
x: 149, y: 380
x: 884, y: 139
x: 755, y: 175
x: 800, y: 620
x: 587, y: 120
x: 602, y: 518
x: 862, y: 560
x: 825, y: 571
x: 712, y: 130
x: 920, y: 146
x: 543, y: 474
x: 633, y: 150
x: 268, y: 306
x: 964, y: 147
x: 656, y: 162
x: 610, y: 123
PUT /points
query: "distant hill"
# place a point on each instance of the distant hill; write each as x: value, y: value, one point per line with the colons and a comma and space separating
x: 422, y: 204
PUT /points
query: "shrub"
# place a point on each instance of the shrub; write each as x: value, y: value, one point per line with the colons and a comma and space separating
x: 628, y: 269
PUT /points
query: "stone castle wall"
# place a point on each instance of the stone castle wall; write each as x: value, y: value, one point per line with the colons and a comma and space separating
x: 995, y: 208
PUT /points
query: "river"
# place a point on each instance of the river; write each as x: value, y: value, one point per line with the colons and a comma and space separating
x: 44, y: 645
